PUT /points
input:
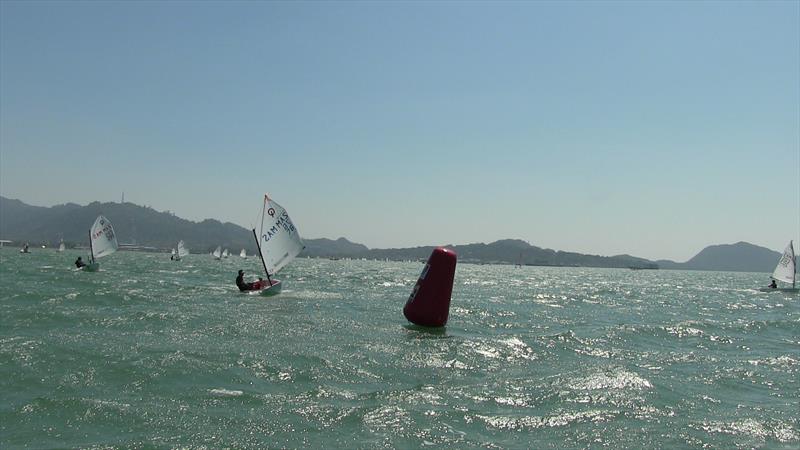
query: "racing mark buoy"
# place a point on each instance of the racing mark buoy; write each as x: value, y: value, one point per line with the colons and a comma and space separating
x: 429, y: 303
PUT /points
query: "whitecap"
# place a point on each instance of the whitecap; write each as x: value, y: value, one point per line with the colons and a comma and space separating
x: 620, y: 380
x: 534, y: 422
x: 221, y: 392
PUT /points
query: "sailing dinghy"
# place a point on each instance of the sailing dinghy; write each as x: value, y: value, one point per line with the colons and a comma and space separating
x: 180, y: 253
x: 102, y: 242
x: 217, y: 254
x: 785, y: 271
x: 278, y: 243
x: 61, y: 246
x: 243, y: 254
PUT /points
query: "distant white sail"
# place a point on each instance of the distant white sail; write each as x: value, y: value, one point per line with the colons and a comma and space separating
x: 243, y: 254
x: 102, y: 238
x: 225, y: 253
x: 61, y: 246
x: 182, y: 251
x: 785, y: 270
x: 217, y: 252
x: 279, y: 241
x: 173, y: 251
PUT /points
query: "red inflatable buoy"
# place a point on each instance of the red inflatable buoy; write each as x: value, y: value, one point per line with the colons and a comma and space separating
x: 429, y: 303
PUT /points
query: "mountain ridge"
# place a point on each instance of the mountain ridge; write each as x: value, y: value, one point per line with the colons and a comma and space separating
x: 142, y: 225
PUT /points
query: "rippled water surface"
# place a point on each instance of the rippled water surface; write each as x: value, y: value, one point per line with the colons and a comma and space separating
x: 154, y: 353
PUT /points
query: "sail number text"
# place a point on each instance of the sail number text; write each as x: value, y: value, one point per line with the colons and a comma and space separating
x: 107, y: 230
x: 283, y: 222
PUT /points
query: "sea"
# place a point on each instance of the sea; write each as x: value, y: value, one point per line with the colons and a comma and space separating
x: 153, y: 353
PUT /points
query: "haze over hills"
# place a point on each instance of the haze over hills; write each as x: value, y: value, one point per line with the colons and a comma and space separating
x: 738, y: 257
x: 144, y: 226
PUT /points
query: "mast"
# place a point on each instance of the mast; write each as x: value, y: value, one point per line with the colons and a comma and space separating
x: 262, y: 257
x: 91, y: 248
x: 258, y: 245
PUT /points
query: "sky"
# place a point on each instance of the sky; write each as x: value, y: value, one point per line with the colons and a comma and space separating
x: 646, y: 128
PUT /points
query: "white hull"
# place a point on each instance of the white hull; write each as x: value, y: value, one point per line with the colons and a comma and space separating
x: 275, y: 289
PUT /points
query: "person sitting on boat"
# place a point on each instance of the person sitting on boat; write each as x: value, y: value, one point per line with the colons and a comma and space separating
x: 245, y: 286
x: 79, y: 262
x: 773, y: 285
x: 240, y: 283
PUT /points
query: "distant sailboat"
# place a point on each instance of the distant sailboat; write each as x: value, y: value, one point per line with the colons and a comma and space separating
x: 61, y: 246
x: 243, y: 254
x: 225, y: 253
x: 785, y: 271
x: 278, y: 243
x: 182, y: 250
x: 180, y: 253
x: 102, y: 242
x: 217, y: 253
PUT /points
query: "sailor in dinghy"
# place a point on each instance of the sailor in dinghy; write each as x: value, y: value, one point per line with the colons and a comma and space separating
x: 102, y: 242
x: 278, y: 244
x: 785, y: 271
x: 245, y: 286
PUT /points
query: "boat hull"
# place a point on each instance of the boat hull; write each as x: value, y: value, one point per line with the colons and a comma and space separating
x: 766, y: 289
x: 92, y: 267
x: 275, y: 289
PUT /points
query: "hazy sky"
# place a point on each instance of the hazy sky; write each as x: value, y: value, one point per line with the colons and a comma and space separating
x: 647, y: 128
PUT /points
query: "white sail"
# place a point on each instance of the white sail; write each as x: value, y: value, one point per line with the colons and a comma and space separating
x: 173, y: 251
x: 785, y: 270
x: 61, y: 246
x: 279, y: 240
x: 182, y: 251
x: 243, y: 254
x: 217, y: 253
x: 102, y: 238
x: 225, y: 253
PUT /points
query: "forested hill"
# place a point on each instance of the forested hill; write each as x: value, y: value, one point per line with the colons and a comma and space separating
x: 146, y: 227
x: 134, y: 224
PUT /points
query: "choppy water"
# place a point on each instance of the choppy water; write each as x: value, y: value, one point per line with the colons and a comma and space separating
x: 154, y: 353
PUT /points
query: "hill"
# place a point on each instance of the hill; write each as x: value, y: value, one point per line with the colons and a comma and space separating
x: 141, y: 226
x: 738, y: 257
x: 134, y: 224
x: 515, y: 251
x: 327, y: 248
x: 144, y: 226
